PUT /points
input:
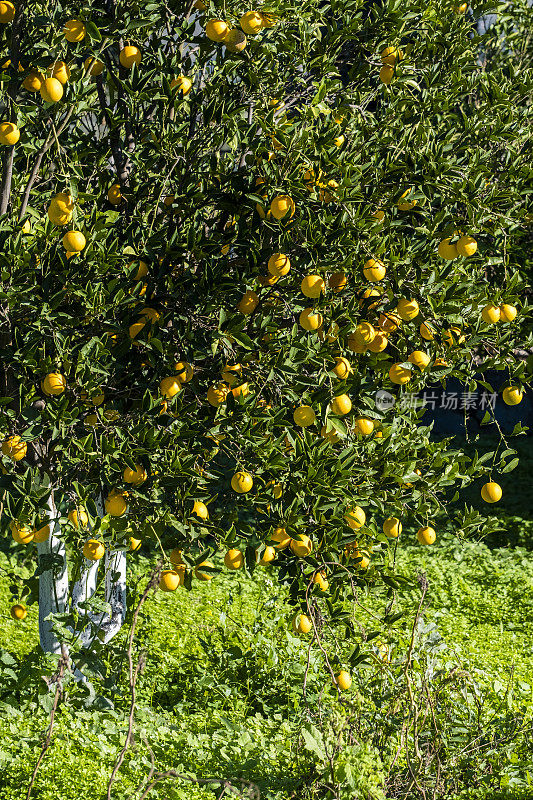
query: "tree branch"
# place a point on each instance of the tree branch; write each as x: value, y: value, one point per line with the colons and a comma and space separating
x: 9, y: 155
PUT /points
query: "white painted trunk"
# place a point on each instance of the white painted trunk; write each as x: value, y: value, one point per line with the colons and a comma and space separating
x: 54, y: 592
x: 53, y: 587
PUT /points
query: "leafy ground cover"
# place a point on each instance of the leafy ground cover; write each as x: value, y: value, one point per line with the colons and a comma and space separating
x: 221, y: 691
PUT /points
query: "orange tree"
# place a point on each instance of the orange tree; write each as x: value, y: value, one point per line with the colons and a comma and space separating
x: 236, y: 245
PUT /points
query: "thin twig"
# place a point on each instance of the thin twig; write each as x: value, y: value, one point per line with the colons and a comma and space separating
x: 63, y: 663
x: 133, y: 675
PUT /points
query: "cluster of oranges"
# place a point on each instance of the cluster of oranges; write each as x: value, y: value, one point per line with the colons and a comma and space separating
x: 251, y: 23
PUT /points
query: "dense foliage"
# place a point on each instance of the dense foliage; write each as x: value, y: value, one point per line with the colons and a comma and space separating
x: 229, y: 267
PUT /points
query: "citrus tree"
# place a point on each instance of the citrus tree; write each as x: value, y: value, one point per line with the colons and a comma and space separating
x: 237, y: 245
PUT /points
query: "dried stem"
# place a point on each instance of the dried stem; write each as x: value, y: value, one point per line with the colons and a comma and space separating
x: 63, y: 664
x: 133, y: 675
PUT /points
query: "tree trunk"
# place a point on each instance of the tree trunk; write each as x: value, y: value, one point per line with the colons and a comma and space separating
x: 54, y: 595
x: 53, y: 583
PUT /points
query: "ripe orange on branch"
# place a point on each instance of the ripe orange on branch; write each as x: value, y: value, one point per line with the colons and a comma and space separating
x: 129, y: 56
x: 9, y: 133
x: 74, y: 30
x: 242, y: 482
x: 14, y: 447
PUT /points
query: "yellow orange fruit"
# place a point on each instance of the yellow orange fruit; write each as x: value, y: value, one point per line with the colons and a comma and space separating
x: 59, y: 70
x: 337, y: 281
x: 355, y: 517
x: 41, y: 534
x: 54, y: 384
x: 507, y: 312
x: 392, y: 527
x: 169, y: 387
x: 184, y: 371
x: 427, y: 332
x: 491, y: 314
x: 170, y: 579
x: 243, y: 390
x: 78, y: 517
x: 251, y: 22
x: 426, y: 535
x: 231, y: 374
x: 51, y: 90
x: 18, y: 611
x: 399, y: 375
x: 313, y: 286
x: 7, y: 12
x: 342, y: 368
x: 322, y: 582
x: 266, y: 557
x: 512, y: 395
x: 135, y: 476
x: 374, y: 270
x: 367, y: 295
x: 466, y: 246
x: 14, y: 447
x: 115, y: 504
x: 389, y: 322
x: 301, y: 623
x: 235, y: 41
x: 21, y: 533
x: 364, y: 426
x: 181, y: 84
x: 282, y: 206
x: 310, y: 319
x: 216, y: 30
x: 304, y: 416
x: 407, y: 309
x: 365, y: 332
x: 276, y: 489
x: 419, y: 359
x: 9, y: 133
x: 453, y: 336
x: 491, y: 492
x: 216, y: 394
x: 33, y: 81
x: 278, y: 265
x: 242, y: 482
x: 234, y: 559
x: 447, y: 250
x: 74, y: 241
x: 201, y: 573
x: 378, y: 343
x: 93, y: 550
x: 74, y: 30
x: 114, y: 194
x: 281, y: 537
x: 386, y: 74
x: 302, y: 546
x: 391, y: 55
x: 248, y: 303
x: 343, y: 680
x: 341, y: 405
x: 129, y: 56
x: 93, y: 66
x: 200, y: 510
